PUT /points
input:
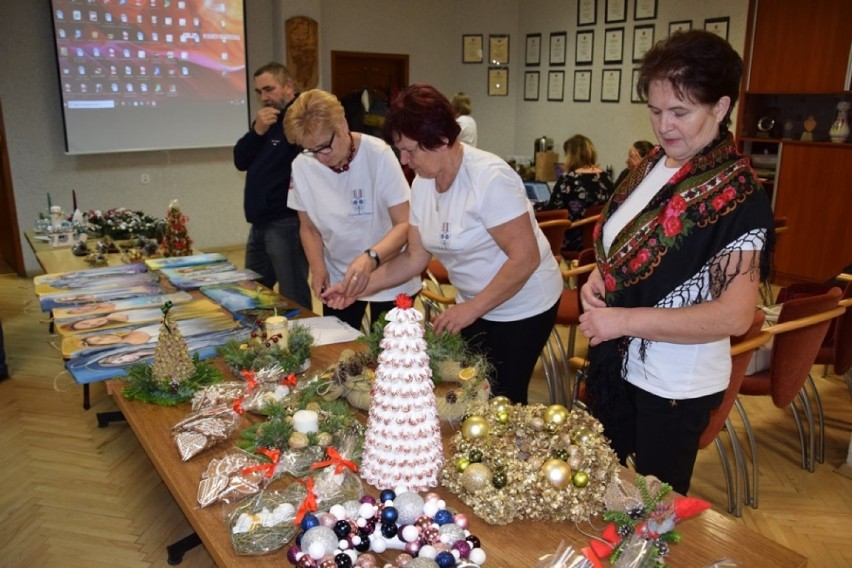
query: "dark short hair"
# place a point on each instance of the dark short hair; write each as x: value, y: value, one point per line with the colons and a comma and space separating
x: 423, y: 114
x: 700, y: 66
x: 281, y: 74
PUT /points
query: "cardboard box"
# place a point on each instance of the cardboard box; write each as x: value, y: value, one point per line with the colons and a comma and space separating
x: 545, y: 166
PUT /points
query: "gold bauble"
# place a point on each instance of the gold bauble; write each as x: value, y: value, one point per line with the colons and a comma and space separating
x: 583, y: 436
x: 499, y: 403
x: 313, y: 405
x: 324, y: 439
x: 502, y: 416
x: 475, y: 428
x: 461, y: 464
x: 580, y: 479
x: 298, y: 440
x: 476, y: 477
x: 557, y: 473
x: 556, y: 414
x: 537, y: 424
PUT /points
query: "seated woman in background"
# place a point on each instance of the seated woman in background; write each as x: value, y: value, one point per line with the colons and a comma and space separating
x: 582, y: 185
x: 637, y: 151
x: 461, y: 109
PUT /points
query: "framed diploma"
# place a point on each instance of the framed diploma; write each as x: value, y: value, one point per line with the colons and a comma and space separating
x: 634, y: 95
x: 587, y: 12
x: 643, y: 40
x: 680, y: 26
x: 613, y: 45
x: 533, y: 53
x: 585, y: 47
x: 555, y: 85
x: 498, y: 81
x: 498, y: 49
x: 616, y: 11
x: 557, y: 48
x: 718, y: 26
x: 531, y: 81
x: 472, y: 48
x: 645, y: 10
x: 582, y: 86
x: 611, y: 86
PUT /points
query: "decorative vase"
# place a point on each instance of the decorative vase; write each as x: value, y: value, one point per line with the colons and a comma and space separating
x: 839, y: 130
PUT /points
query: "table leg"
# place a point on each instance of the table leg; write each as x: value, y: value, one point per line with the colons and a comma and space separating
x: 86, y: 403
x: 181, y: 547
x: 104, y: 418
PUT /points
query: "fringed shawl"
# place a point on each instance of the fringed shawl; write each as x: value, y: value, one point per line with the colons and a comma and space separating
x: 710, y: 202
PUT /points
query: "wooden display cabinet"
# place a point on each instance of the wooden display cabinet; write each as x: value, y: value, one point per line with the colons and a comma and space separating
x: 799, y: 65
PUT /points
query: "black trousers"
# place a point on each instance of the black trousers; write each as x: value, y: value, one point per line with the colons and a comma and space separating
x: 512, y: 347
x: 663, y: 433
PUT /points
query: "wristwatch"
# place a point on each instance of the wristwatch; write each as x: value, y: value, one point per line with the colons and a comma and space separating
x: 373, y: 255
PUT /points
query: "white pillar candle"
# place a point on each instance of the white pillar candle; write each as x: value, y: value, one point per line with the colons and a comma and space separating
x: 306, y: 421
x: 278, y: 325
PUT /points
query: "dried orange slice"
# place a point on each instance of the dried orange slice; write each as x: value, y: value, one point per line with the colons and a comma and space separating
x: 467, y: 373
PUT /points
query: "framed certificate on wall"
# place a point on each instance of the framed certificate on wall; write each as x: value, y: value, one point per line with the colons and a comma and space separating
x: 611, y: 86
x: 643, y: 40
x: 614, y: 45
x: 498, y: 81
x: 587, y: 12
x: 557, y: 48
x: 472, y: 48
x: 531, y: 81
x: 533, y: 53
x: 555, y: 85
x: 583, y: 86
x: 585, y: 47
x: 498, y: 49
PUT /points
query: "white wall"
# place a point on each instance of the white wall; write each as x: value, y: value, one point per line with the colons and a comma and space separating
x: 205, y: 181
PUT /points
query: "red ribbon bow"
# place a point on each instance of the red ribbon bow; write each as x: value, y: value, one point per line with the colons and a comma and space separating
x: 251, y: 379
x: 309, y: 505
x: 336, y: 460
x: 290, y: 381
x: 268, y: 469
x: 238, y: 406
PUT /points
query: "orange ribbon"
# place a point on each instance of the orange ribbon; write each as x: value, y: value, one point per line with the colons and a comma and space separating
x: 238, y: 406
x: 290, y: 381
x: 268, y: 469
x: 251, y: 379
x: 309, y: 505
x: 336, y: 460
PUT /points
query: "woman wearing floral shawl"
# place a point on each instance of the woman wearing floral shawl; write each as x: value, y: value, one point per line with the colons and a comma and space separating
x: 681, y: 250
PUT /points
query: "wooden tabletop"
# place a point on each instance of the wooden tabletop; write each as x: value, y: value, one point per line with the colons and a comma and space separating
x: 707, y: 538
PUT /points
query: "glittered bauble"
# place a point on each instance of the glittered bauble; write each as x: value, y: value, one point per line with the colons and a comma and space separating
x: 557, y: 473
x: 421, y: 562
x: 583, y: 436
x: 580, y: 479
x: 499, y: 403
x: 309, y: 521
x: 306, y: 562
x: 475, y: 428
x: 451, y: 533
x: 556, y: 414
x: 461, y: 464
x: 502, y: 416
x: 463, y: 547
x: 319, y: 535
x: 445, y: 560
x: 409, y: 506
x: 476, y: 477
x: 443, y: 517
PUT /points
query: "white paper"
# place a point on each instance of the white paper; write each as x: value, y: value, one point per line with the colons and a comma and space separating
x: 329, y: 329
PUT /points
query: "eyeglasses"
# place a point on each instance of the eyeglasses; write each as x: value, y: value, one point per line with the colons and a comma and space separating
x: 324, y: 149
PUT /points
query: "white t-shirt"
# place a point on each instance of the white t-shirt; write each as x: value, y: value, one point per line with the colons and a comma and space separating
x: 350, y: 209
x: 454, y: 227
x: 674, y: 370
x: 468, y: 129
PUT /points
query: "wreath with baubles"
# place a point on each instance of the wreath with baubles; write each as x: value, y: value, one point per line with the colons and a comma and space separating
x: 511, y: 462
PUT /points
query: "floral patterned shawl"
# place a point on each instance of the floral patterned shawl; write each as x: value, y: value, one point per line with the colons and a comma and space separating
x: 712, y: 201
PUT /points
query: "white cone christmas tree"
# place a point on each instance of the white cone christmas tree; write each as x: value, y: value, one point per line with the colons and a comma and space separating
x: 402, y: 448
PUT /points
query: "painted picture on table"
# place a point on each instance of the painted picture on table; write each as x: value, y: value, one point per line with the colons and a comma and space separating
x: 102, y: 308
x: 110, y: 363
x: 71, y: 299
x: 90, y: 274
x: 177, y: 261
x: 91, y: 342
x: 199, y: 279
x: 248, y: 299
x: 100, y: 283
x: 200, y: 307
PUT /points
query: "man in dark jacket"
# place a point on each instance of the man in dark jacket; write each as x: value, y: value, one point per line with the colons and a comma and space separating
x: 274, y: 249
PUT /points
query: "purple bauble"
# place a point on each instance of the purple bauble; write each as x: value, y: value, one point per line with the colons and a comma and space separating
x: 292, y: 552
x: 463, y: 547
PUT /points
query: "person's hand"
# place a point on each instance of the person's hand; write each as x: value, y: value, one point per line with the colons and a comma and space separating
x: 357, y: 275
x: 593, y: 291
x: 601, y: 324
x: 266, y: 117
x: 319, y: 281
x: 454, y: 318
x: 333, y: 297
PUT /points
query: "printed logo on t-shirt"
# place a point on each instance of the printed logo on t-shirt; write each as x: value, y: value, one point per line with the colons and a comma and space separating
x: 359, y: 203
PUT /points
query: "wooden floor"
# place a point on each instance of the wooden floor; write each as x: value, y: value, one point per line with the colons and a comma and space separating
x: 76, y: 495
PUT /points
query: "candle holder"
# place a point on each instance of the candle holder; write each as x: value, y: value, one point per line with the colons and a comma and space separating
x: 839, y: 130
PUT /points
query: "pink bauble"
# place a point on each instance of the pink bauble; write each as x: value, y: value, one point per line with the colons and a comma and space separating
x: 461, y: 520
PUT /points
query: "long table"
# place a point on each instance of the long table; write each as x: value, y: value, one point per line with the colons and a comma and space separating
x: 707, y: 538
